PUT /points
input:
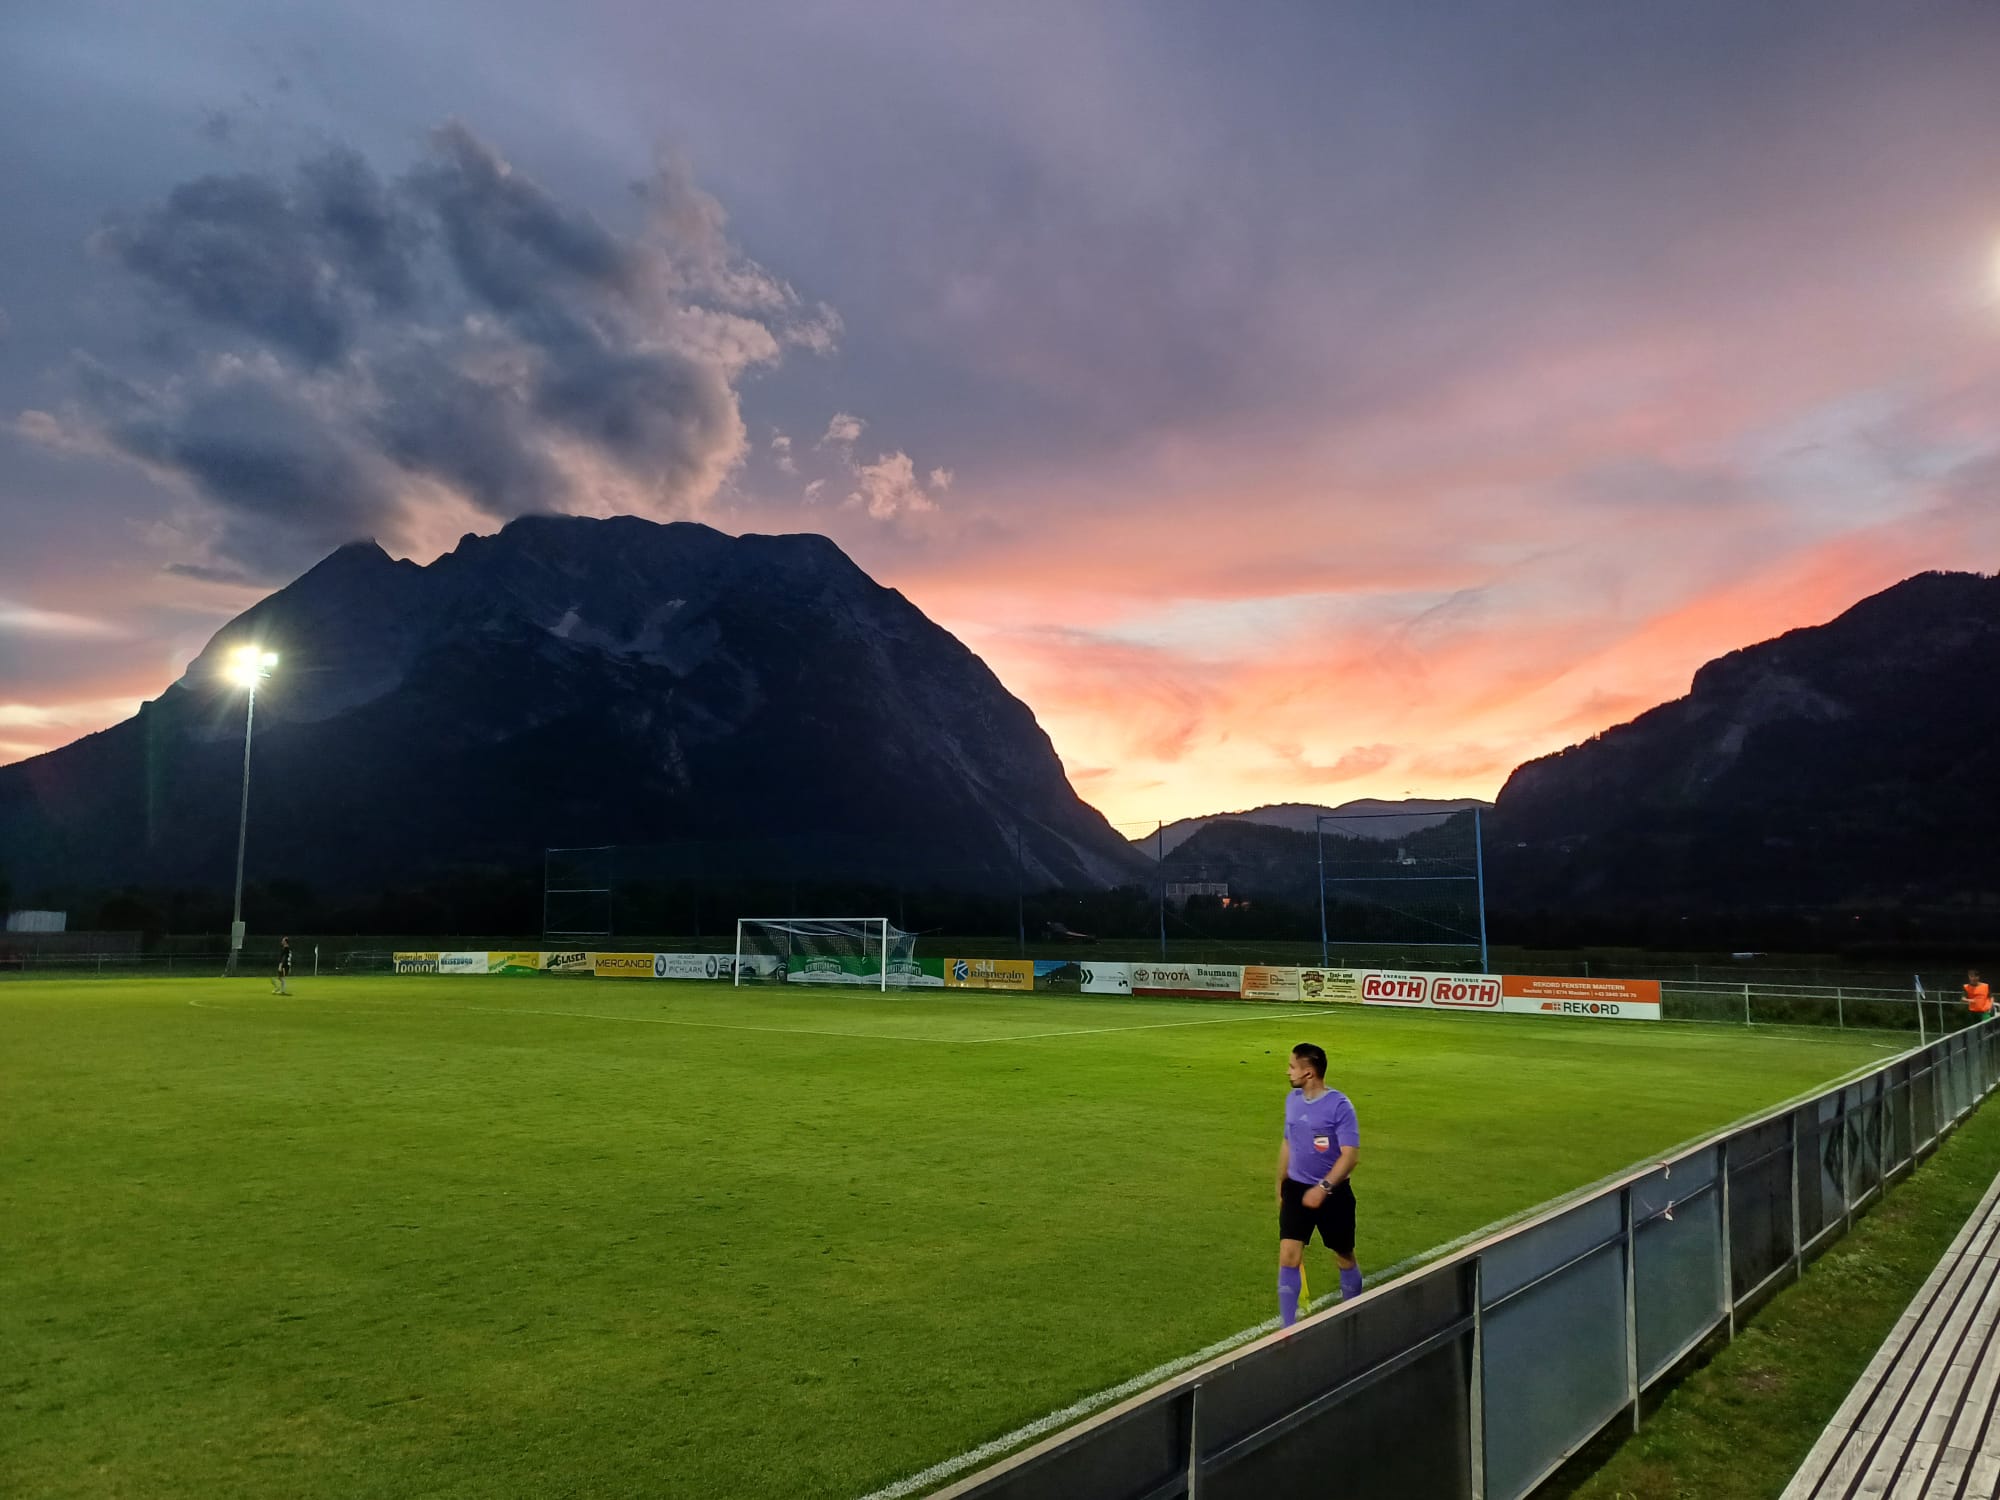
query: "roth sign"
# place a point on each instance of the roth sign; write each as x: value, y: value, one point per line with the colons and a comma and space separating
x: 1427, y: 991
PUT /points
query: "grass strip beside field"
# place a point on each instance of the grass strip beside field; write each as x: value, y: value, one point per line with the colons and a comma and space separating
x: 1738, y: 1428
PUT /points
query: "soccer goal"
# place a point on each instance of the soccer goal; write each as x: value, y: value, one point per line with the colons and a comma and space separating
x: 824, y: 950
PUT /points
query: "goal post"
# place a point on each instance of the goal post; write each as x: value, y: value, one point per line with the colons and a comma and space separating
x: 854, y: 951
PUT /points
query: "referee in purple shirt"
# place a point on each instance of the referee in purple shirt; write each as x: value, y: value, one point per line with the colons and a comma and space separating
x: 1321, y: 1144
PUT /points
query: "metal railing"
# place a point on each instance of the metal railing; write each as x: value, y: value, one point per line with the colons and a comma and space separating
x: 1483, y: 1373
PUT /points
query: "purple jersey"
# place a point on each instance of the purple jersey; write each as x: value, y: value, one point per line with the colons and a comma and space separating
x: 1316, y: 1130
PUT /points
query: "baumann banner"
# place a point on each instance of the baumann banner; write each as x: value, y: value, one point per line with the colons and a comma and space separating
x: 1588, y: 999
x: 1188, y: 979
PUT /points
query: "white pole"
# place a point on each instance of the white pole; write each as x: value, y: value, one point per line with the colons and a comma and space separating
x: 736, y: 969
x: 885, y: 946
x: 1920, y: 1009
x: 242, y: 834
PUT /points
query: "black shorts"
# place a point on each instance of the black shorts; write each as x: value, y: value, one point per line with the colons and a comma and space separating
x: 1334, y: 1218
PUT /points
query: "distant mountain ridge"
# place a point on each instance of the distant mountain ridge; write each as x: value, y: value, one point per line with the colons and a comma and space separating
x: 569, y: 681
x: 1384, y: 820
x: 1850, y: 765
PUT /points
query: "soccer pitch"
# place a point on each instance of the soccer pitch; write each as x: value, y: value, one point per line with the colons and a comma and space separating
x: 475, y: 1237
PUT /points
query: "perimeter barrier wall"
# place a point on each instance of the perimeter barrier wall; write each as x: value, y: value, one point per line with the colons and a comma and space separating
x: 1492, y: 994
x: 1480, y: 1375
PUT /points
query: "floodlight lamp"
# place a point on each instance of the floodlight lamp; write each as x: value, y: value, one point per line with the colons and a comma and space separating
x: 249, y: 665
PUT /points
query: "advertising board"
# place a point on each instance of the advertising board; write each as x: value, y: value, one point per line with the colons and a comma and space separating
x: 1423, y: 990
x: 1338, y: 986
x: 1106, y: 979
x: 568, y: 963
x: 513, y: 963
x: 622, y: 965
x: 989, y: 974
x: 693, y: 965
x: 1188, y: 979
x: 416, y: 963
x: 1262, y: 982
x: 461, y: 963
x: 1584, y: 999
x: 1061, y: 974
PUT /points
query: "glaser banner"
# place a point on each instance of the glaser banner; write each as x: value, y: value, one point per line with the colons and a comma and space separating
x: 568, y: 963
x: 1590, y: 999
x: 1187, y: 979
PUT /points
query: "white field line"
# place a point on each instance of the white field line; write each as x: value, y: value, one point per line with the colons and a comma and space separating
x: 857, y: 1036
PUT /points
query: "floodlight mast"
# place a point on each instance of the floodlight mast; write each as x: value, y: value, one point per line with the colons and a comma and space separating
x: 248, y: 666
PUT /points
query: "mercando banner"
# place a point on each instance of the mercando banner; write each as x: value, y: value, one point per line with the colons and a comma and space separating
x: 622, y: 965
x: 1587, y: 999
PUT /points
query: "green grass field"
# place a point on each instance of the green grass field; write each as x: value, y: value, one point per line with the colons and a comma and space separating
x: 542, y: 1237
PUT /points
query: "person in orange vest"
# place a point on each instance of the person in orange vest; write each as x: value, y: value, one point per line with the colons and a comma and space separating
x: 1978, y: 997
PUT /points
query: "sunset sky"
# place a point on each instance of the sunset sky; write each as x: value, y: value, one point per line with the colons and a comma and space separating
x: 1290, y: 402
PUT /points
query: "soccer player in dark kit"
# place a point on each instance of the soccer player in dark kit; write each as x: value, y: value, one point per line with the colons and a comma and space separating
x: 1322, y: 1141
x: 280, y: 982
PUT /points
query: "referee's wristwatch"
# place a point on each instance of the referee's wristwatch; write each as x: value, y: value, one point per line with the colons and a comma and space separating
x: 1324, y: 1185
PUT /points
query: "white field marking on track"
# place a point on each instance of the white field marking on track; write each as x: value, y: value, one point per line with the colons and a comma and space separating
x: 872, y: 1036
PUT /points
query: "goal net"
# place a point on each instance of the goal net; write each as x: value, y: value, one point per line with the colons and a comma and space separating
x: 824, y: 950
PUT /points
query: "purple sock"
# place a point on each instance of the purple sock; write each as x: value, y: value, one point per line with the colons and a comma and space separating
x: 1350, y: 1283
x: 1290, y: 1279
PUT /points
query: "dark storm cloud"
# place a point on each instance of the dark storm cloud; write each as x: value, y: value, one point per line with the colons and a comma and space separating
x: 325, y: 339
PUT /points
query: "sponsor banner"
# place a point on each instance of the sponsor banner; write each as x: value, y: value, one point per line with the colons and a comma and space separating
x: 916, y: 973
x: 835, y: 968
x: 989, y: 974
x: 416, y: 963
x: 1064, y: 974
x: 1261, y: 982
x: 697, y: 965
x: 622, y: 965
x: 513, y: 963
x: 1106, y: 979
x: 568, y: 963
x: 1428, y: 991
x: 461, y: 963
x: 1591, y: 999
x: 1188, y: 979
x: 1340, y: 986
